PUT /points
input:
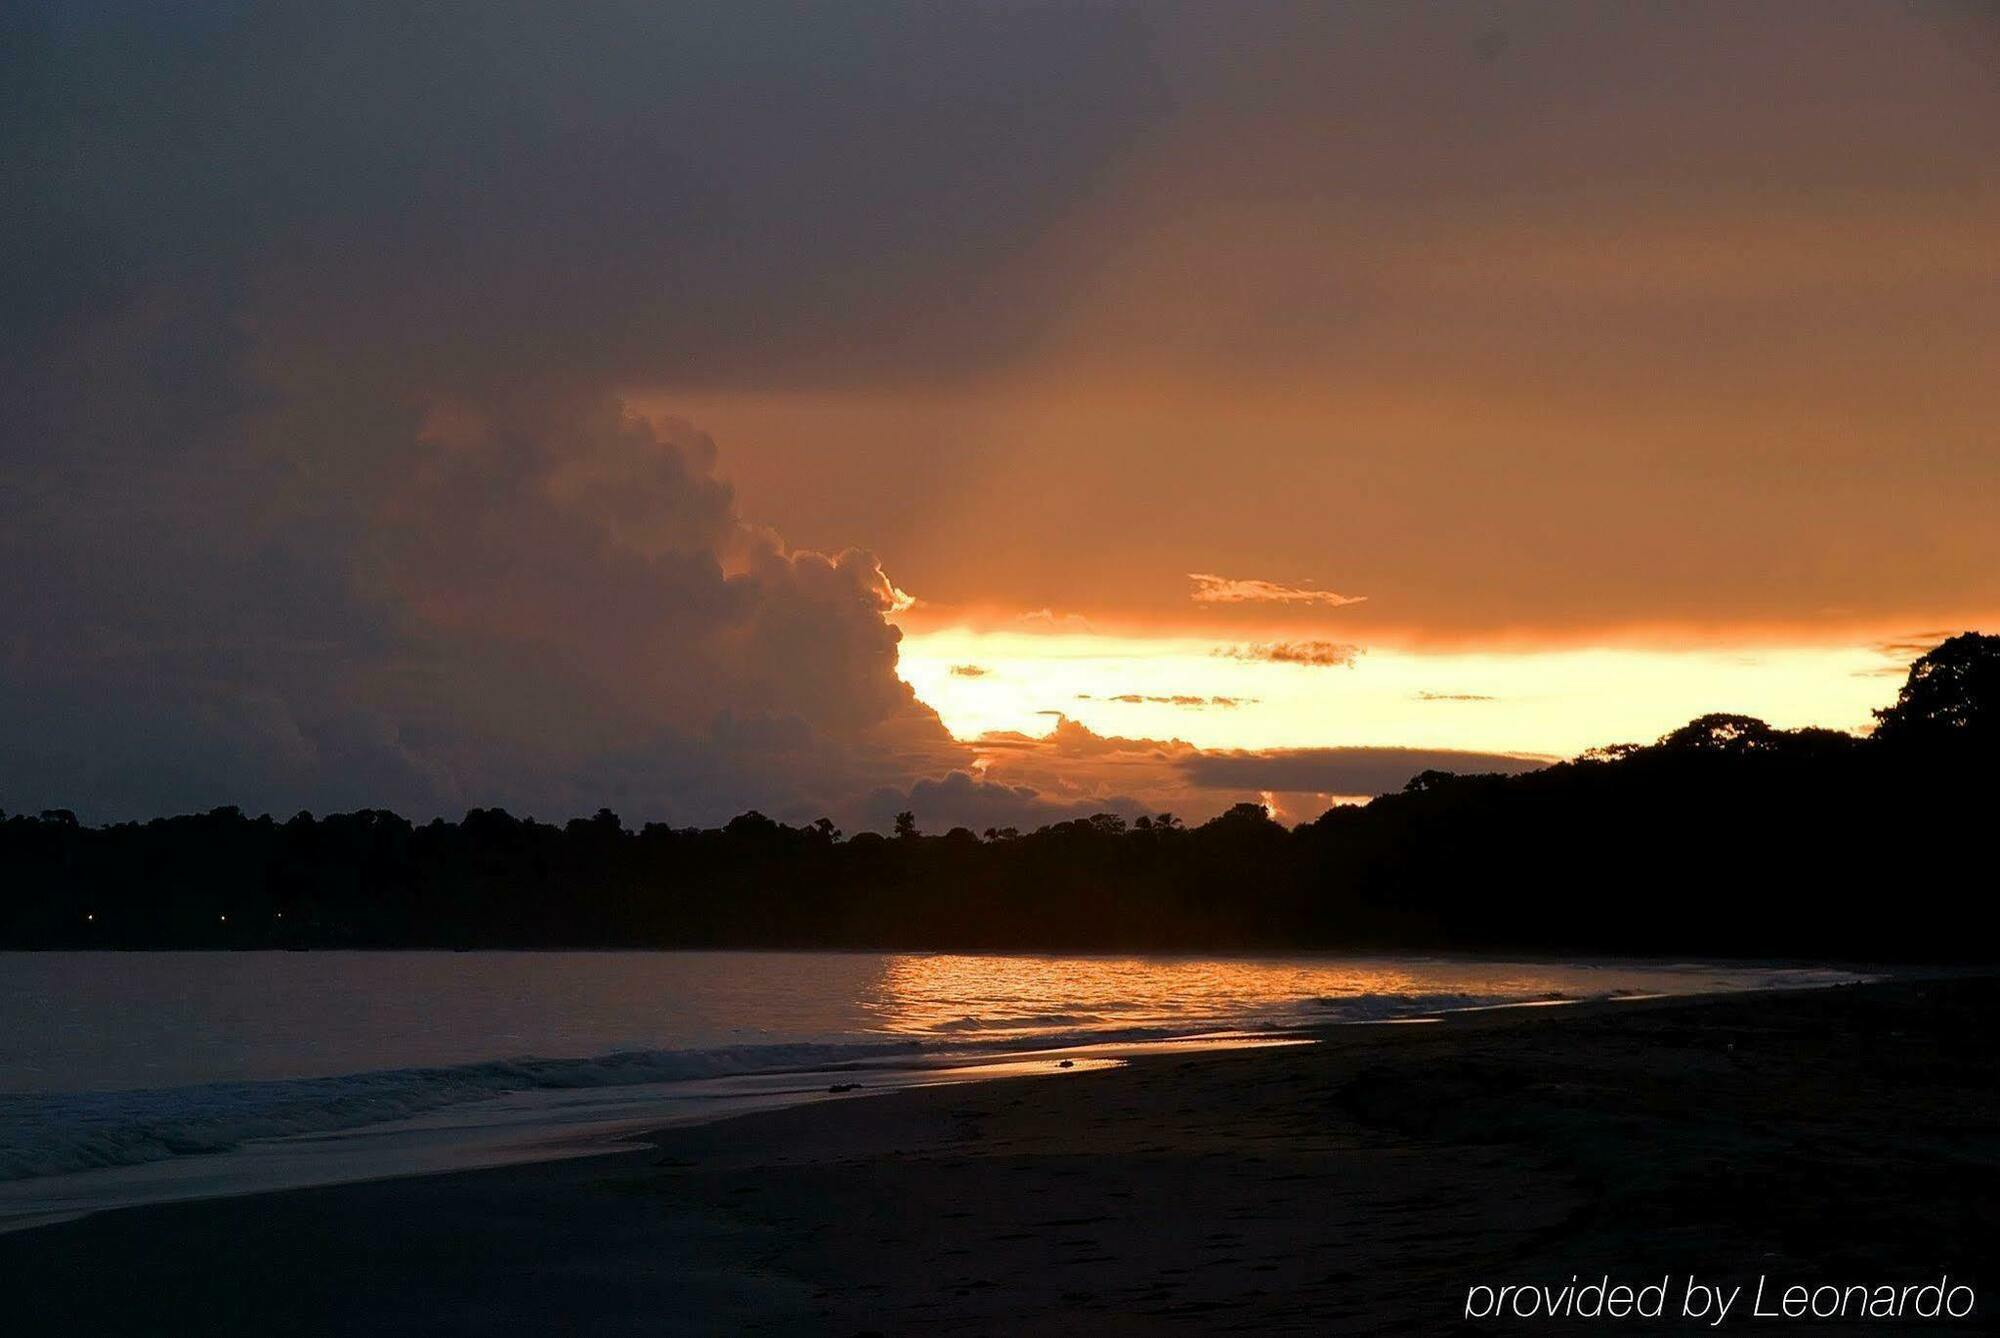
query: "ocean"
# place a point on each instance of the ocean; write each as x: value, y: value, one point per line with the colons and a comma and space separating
x: 148, y: 1077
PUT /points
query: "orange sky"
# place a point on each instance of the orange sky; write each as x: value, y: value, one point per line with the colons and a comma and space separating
x: 1547, y: 333
x: 1610, y: 363
x: 1543, y: 324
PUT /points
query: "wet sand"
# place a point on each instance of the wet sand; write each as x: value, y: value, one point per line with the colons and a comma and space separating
x: 1356, y: 1186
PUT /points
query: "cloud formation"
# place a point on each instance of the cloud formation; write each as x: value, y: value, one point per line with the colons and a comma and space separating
x: 319, y: 484
x: 1320, y: 654
x: 1076, y: 767
x: 320, y: 480
x: 1212, y: 589
x: 536, y: 600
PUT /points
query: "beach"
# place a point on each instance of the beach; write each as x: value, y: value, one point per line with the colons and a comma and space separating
x: 1363, y: 1184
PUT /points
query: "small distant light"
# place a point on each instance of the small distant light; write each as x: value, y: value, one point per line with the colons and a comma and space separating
x: 222, y: 917
x: 89, y: 915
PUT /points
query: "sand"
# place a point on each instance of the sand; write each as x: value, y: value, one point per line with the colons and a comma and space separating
x: 1360, y: 1185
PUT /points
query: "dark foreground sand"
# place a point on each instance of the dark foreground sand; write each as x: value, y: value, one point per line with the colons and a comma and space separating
x: 1357, y: 1186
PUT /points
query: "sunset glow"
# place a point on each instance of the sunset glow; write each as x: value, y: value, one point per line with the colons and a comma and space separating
x: 1555, y: 702
x: 596, y: 594
x: 999, y: 414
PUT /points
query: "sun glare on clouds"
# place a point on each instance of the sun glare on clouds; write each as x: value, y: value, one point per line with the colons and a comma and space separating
x: 1219, y: 693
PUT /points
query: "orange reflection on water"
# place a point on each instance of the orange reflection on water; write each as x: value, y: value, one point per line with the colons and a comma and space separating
x: 997, y: 997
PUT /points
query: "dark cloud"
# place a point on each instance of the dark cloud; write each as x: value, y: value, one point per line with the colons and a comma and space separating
x: 315, y: 484
x: 1339, y: 771
x: 677, y: 194
x: 539, y: 601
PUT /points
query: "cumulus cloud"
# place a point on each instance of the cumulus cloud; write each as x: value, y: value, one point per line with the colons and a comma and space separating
x: 1212, y: 589
x: 1321, y: 654
x: 537, y: 600
x: 317, y: 483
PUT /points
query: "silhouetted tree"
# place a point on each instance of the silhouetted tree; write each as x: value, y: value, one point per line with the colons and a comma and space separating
x: 1722, y: 733
x: 1727, y: 836
x: 1952, y: 695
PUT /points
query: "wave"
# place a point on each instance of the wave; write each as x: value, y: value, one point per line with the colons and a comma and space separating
x: 53, y: 1134
x: 1388, y: 1007
x: 50, y: 1134
x: 45, y: 1134
x: 56, y: 1133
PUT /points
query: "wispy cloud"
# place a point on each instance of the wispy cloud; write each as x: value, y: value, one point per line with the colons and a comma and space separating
x: 1212, y: 589
x: 1912, y: 647
x: 1323, y: 654
x: 1452, y: 697
x: 969, y: 671
x: 1048, y: 620
x: 1900, y: 652
x: 1176, y: 699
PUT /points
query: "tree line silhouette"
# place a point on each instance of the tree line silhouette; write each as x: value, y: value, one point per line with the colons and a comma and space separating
x: 1725, y: 837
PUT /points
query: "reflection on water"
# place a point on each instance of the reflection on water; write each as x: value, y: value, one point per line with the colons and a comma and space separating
x: 996, y: 997
x: 285, y: 1069
x: 103, y: 1022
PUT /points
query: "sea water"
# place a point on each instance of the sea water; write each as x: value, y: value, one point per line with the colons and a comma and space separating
x: 145, y: 1077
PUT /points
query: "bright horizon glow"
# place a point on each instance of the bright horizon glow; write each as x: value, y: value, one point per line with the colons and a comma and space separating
x: 1554, y: 703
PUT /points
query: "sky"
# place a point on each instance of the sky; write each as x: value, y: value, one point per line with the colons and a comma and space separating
x: 1002, y: 411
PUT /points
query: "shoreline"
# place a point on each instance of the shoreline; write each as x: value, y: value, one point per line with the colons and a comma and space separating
x: 1520, y: 1143
x: 167, y: 1145
x: 1251, y: 951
